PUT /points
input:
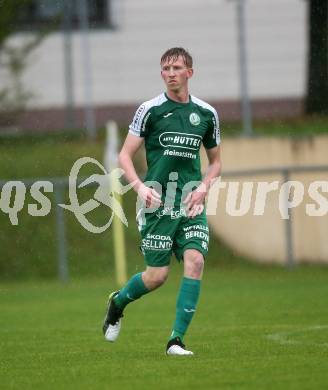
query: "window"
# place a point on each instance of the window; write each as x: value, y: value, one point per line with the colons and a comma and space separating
x: 41, y: 13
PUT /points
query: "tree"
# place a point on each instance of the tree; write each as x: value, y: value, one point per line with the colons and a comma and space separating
x: 9, y: 15
x: 317, y: 81
x: 13, y: 60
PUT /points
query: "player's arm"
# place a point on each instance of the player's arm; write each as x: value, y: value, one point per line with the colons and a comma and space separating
x: 130, y: 147
x: 195, y: 200
x: 214, y: 167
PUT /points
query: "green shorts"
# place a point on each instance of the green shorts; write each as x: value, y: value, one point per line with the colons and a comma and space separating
x: 169, y: 230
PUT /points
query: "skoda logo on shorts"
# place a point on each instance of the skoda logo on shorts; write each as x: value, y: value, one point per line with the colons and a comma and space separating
x: 194, y: 119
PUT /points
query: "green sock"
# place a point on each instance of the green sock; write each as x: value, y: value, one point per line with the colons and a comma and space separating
x: 186, y: 306
x: 134, y: 289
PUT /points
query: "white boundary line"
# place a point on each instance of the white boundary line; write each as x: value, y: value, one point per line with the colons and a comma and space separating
x: 283, y: 337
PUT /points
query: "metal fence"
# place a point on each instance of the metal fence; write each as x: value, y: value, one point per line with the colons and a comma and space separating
x: 61, y: 184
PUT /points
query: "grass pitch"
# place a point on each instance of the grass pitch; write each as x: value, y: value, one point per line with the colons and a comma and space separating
x: 255, y: 328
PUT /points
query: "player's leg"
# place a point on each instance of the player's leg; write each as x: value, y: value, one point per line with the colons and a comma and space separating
x: 191, y: 245
x: 187, y: 300
x: 189, y: 291
x: 156, y: 246
x: 154, y: 277
x: 139, y: 285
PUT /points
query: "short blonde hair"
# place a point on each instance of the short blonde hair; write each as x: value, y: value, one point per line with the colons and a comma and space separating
x: 173, y: 54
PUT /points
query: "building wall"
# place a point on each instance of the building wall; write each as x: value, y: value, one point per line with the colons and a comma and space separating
x: 263, y: 237
x: 125, y: 62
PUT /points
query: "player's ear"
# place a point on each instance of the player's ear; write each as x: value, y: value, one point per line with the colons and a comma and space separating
x: 162, y: 75
x: 190, y: 73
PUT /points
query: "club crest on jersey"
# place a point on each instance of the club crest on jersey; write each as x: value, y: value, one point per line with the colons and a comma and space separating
x: 194, y: 119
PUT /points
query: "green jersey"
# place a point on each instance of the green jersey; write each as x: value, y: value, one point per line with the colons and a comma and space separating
x: 173, y: 134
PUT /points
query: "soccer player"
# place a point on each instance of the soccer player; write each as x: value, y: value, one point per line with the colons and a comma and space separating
x: 172, y: 126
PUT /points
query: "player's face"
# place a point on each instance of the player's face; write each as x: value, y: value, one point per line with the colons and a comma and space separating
x: 175, y: 74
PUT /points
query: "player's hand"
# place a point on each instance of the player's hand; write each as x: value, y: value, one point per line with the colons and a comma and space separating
x: 150, y: 197
x: 195, y: 201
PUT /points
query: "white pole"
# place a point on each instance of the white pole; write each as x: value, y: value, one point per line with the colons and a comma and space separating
x: 111, y: 156
x: 68, y: 66
x: 242, y: 52
x: 86, y: 63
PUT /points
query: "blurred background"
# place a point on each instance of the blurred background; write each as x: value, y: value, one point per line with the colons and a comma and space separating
x: 105, y: 53
x: 72, y: 74
x: 68, y: 67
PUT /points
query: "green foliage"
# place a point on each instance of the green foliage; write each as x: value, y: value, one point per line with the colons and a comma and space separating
x: 9, y: 15
x: 14, y: 60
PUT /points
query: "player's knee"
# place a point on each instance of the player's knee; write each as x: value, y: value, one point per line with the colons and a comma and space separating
x: 194, y: 264
x: 160, y: 279
x: 155, y: 279
x: 197, y: 264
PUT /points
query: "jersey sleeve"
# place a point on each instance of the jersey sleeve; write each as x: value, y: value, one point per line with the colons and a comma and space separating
x: 138, y: 126
x: 212, y: 136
